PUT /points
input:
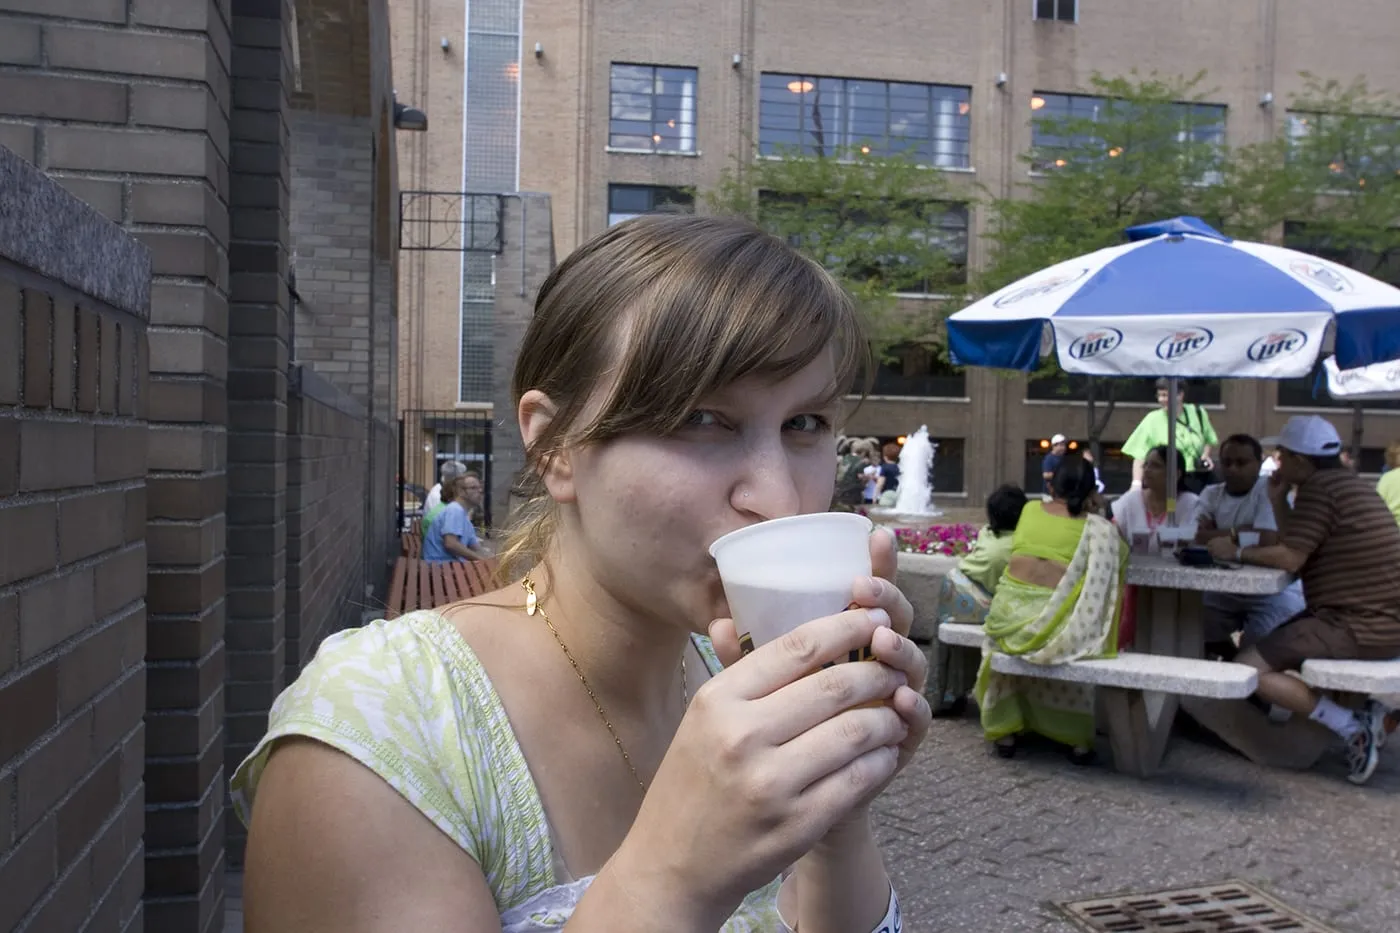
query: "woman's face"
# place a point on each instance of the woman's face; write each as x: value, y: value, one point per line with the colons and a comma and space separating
x: 642, y: 511
x: 1154, y: 473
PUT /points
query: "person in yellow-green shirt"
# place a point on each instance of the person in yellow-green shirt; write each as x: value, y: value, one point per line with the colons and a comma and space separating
x: 1389, y: 486
x: 1195, y: 435
x: 966, y: 593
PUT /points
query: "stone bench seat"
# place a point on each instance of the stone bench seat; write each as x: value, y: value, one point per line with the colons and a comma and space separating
x: 1181, y: 676
x: 1138, y: 693
x: 1366, y: 677
x: 963, y: 636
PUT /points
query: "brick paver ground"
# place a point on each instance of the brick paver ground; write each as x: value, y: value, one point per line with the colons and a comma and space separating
x: 981, y: 845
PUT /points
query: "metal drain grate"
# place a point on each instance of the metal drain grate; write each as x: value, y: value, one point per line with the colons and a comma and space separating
x: 1231, y: 907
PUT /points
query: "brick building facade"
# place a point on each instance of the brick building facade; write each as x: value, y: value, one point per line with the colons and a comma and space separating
x: 580, y: 142
x: 197, y: 444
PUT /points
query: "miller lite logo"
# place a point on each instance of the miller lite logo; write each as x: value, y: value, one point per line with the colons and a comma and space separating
x: 1045, y: 286
x: 1276, y: 345
x: 1323, y: 276
x: 1096, y: 343
x: 1183, y: 343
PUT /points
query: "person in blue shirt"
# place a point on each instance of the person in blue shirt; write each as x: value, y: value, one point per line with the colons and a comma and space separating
x: 451, y: 535
x: 1059, y: 446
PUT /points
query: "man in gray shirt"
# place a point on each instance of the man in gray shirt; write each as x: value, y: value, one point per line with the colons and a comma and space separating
x: 1241, y: 503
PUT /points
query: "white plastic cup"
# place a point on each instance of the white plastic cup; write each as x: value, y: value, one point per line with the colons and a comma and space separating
x: 781, y: 573
x: 1248, y: 538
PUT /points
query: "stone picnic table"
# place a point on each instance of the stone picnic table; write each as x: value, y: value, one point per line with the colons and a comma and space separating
x: 1170, y: 622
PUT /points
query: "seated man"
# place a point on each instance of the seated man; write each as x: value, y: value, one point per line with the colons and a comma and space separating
x: 1344, y: 543
x: 1241, y: 503
x: 966, y: 594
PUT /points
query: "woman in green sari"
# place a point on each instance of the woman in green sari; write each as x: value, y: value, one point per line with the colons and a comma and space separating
x: 1058, y: 601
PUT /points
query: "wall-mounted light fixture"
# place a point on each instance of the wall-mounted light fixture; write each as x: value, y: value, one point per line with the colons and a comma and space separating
x: 1266, y: 99
x: 1002, y: 79
x: 737, y: 61
x: 446, y: 44
x: 409, y: 118
x: 539, y: 50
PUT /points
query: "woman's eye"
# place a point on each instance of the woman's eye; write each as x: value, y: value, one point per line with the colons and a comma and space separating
x: 702, y: 419
x: 809, y: 424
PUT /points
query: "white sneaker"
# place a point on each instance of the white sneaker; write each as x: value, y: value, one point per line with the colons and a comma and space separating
x: 1372, y: 716
x: 1362, y: 756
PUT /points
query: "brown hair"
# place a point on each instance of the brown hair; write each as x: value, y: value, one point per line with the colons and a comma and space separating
x: 1392, y: 455
x: 660, y: 312
x: 890, y: 450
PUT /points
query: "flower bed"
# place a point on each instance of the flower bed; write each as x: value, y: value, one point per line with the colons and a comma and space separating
x: 952, y: 540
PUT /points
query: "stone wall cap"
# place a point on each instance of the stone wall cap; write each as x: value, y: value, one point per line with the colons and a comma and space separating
x: 308, y: 383
x: 45, y: 229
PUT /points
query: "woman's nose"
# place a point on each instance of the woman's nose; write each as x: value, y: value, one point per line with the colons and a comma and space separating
x: 768, y: 490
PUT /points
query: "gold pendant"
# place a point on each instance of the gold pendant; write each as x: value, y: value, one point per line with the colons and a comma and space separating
x: 531, y: 602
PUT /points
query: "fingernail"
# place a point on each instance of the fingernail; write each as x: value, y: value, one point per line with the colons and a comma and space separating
x: 879, y: 617
x: 888, y: 636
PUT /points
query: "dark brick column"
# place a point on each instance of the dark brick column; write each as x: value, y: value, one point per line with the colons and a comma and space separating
x: 258, y: 357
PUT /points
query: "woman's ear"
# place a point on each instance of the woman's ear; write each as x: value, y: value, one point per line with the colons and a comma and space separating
x: 535, y: 413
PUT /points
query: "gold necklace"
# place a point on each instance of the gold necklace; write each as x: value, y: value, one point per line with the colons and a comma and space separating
x: 532, y: 606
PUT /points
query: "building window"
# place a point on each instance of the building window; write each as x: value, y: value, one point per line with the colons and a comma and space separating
x: 1115, y: 467
x: 651, y: 108
x: 1200, y: 124
x: 1065, y: 11
x: 817, y: 116
x: 918, y: 370
x: 627, y: 201
x: 1353, y: 147
x: 1073, y: 387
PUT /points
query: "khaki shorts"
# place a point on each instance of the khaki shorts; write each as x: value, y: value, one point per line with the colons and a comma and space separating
x: 1307, y: 638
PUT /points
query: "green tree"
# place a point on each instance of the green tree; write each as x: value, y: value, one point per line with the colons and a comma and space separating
x: 881, y: 224
x: 1342, y: 156
x: 1141, y: 149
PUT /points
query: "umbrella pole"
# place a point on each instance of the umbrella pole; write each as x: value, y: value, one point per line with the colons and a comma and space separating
x: 1173, y: 412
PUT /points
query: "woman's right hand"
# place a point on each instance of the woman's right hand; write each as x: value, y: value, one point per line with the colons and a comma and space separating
x: 772, y: 752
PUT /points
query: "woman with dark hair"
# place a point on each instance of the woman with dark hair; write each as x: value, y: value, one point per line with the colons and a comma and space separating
x: 965, y: 596
x: 1144, y: 509
x: 1057, y: 601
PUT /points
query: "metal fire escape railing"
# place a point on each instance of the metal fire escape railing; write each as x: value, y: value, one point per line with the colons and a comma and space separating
x: 451, y: 221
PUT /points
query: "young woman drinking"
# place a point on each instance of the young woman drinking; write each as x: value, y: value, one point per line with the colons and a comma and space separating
x: 568, y: 752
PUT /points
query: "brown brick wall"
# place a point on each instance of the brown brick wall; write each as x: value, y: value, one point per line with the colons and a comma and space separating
x: 257, y: 388
x: 127, y: 105
x: 327, y: 489
x: 72, y: 608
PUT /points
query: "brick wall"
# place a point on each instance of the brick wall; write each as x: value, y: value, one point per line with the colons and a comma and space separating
x: 327, y: 487
x: 332, y: 210
x: 257, y: 382
x: 520, y: 271
x: 73, y: 304
x: 127, y: 105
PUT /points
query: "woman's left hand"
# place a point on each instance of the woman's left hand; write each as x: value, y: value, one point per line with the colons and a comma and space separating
x: 891, y: 646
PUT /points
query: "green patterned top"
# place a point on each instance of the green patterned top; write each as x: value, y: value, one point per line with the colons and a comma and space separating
x: 409, y: 700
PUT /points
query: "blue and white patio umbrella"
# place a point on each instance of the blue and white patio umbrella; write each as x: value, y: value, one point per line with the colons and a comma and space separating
x: 1377, y: 382
x: 1183, y: 300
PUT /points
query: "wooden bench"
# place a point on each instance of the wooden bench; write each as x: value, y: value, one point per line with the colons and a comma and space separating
x: 411, y: 544
x: 421, y: 584
x: 1138, y: 692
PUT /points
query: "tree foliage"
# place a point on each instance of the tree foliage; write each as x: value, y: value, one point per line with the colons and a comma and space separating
x: 883, y: 225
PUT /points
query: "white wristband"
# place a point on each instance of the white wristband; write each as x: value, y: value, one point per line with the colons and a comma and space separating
x: 893, y: 921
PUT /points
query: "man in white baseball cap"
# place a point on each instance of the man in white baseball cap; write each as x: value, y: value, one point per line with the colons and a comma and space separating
x: 1059, y: 445
x: 1341, y: 539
